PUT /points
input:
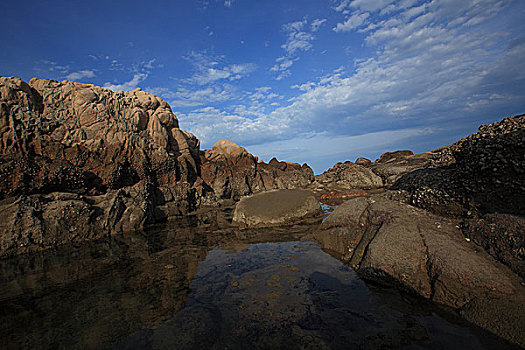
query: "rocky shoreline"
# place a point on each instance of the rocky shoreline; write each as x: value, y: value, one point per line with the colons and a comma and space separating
x: 79, y: 162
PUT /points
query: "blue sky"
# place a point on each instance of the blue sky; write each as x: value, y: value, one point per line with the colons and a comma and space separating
x: 316, y: 81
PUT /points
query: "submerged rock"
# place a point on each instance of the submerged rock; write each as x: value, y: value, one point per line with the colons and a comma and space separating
x: 277, y: 208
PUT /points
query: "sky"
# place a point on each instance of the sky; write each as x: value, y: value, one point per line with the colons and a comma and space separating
x: 315, y: 81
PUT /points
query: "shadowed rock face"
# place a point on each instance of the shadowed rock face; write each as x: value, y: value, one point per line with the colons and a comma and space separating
x: 485, y: 169
x: 391, y: 242
x: 479, y: 179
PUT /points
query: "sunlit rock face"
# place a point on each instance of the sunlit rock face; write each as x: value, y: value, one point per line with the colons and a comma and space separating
x: 232, y: 172
x: 72, y: 136
x: 118, y: 156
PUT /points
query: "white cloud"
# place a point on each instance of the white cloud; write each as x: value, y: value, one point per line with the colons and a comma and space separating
x: 354, y: 21
x: 428, y: 71
x: 129, y: 85
x: 228, y: 3
x: 80, y: 75
x: 316, y: 24
x: 211, y: 69
x: 297, y: 40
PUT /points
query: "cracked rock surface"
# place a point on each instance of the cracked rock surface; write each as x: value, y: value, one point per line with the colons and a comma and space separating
x: 394, y: 243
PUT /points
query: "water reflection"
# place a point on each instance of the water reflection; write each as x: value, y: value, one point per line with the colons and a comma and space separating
x: 293, y: 295
x: 199, y: 283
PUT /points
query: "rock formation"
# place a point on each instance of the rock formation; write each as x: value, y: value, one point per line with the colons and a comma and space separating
x: 100, y: 161
x: 232, y: 172
x: 105, y: 162
x: 480, y: 180
x: 387, y: 156
x: 347, y: 175
x: 363, y: 161
x: 394, y: 243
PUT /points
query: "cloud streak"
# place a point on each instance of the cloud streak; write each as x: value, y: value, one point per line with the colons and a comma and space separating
x: 210, y: 69
x: 80, y: 75
x: 299, y: 39
x: 434, y: 65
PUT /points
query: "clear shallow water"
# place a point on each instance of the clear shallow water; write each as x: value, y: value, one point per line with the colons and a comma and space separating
x: 199, y: 283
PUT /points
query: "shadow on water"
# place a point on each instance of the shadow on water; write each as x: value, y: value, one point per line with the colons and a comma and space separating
x: 199, y: 283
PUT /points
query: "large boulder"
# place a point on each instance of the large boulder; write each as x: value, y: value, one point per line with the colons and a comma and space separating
x: 276, y: 208
x: 395, y: 243
x: 57, y: 135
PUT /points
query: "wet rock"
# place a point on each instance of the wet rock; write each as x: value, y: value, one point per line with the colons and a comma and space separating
x: 276, y: 208
x: 395, y: 243
x: 347, y: 175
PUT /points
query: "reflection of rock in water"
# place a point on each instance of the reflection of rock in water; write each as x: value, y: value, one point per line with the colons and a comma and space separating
x: 293, y: 295
x: 91, y: 295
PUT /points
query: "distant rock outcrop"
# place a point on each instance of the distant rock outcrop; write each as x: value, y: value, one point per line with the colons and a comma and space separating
x: 347, y: 175
x: 232, y: 172
x: 385, y: 157
x: 363, y: 161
